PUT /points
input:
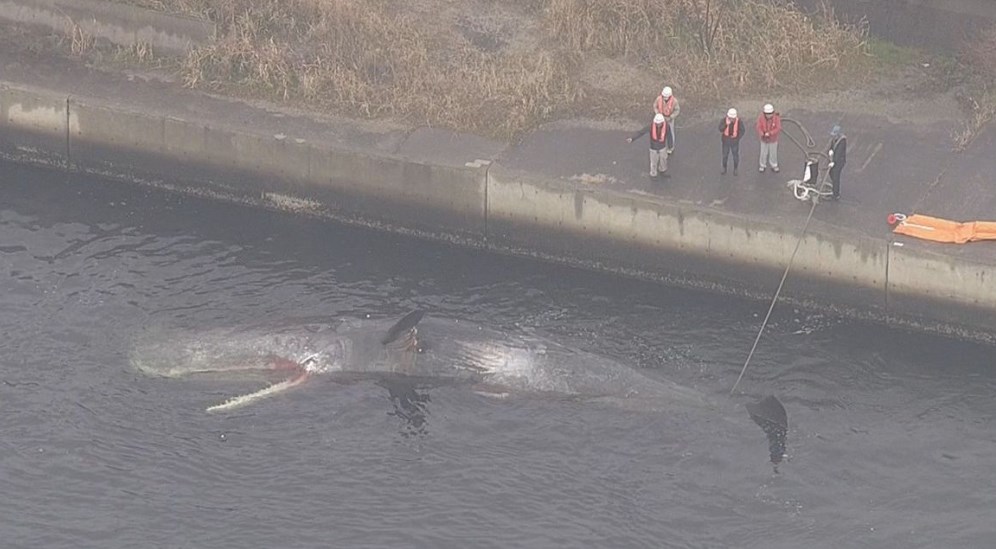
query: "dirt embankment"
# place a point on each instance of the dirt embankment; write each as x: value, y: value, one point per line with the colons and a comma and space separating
x: 502, y: 67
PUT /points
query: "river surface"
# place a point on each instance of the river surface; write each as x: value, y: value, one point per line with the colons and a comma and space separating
x: 891, y: 440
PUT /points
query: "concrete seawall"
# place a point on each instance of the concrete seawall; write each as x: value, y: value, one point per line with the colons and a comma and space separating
x: 490, y: 206
x: 117, y: 23
x: 660, y: 239
x: 438, y: 201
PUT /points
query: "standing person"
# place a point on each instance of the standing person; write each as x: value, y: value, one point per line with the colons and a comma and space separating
x: 732, y: 130
x: 667, y: 104
x: 660, y: 140
x: 837, y: 151
x: 769, y: 125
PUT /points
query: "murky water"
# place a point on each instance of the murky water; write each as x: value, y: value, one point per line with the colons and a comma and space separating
x: 891, y: 441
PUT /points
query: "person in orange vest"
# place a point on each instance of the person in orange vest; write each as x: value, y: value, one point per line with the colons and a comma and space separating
x: 660, y: 141
x: 667, y: 104
x: 731, y: 129
x: 837, y: 151
x: 769, y: 125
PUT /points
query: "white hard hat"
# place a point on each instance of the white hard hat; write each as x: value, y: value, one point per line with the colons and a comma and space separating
x: 666, y: 92
x: 769, y: 108
x: 658, y: 119
x: 732, y: 113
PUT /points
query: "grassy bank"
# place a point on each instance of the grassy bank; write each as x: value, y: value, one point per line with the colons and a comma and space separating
x: 978, y: 70
x: 503, y: 66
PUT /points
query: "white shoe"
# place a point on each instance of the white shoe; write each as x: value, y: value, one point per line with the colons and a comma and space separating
x: 761, y: 169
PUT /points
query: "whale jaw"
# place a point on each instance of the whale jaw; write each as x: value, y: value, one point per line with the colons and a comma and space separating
x: 248, y: 398
x: 297, y: 354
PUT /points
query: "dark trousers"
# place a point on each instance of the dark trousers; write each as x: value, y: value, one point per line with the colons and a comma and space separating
x: 835, y: 179
x: 734, y: 147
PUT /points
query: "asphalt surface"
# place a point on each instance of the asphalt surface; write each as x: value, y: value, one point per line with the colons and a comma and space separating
x: 892, y: 167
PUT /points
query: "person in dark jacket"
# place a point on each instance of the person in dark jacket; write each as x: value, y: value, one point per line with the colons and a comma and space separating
x: 837, y: 151
x: 732, y: 130
x: 660, y: 143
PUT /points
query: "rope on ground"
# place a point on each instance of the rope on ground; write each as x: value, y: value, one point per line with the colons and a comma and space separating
x: 802, y: 189
x: 806, y: 192
x: 810, y: 146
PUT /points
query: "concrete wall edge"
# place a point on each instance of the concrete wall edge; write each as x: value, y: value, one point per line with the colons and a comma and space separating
x: 479, y: 219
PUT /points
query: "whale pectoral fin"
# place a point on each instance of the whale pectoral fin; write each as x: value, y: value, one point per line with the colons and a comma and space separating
x: 242, y: 400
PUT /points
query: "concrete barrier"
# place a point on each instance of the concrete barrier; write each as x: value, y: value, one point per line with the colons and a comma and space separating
x: 113, y: 128
x: 118, y: 23
x: 116, y: 142
x: 647, y: 236
x: 443, y: 202
x: 34, y: 126
x: 941, y: 287
x: 494, y: 207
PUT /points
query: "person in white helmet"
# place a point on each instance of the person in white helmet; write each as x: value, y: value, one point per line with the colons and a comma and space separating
x: 731, y: 128
x: 769, y: 125
x: 660, y: 140
x: 667, y: 104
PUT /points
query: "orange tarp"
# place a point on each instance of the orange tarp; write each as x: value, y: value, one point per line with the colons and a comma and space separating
x: 943, y: 230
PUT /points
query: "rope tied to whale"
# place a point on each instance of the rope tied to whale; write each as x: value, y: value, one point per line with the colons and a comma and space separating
x: 769, y: 413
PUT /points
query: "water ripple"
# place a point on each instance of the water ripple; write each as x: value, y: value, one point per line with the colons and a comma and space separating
x: 890, y: 439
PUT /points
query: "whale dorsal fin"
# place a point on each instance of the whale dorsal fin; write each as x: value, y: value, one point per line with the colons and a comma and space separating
x: 406, y: 324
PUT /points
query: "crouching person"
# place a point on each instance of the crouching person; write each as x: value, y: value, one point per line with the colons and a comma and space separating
x: 660, y: 143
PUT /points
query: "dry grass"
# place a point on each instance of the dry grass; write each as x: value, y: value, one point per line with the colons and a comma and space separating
x: 978, y: 60
x: 712, y: 48
x: 188, y: 7
x: 369, y: 58
x: 981, y: 111
x: 366, y: 58
x: 980, y: 53
x: 80, y: 41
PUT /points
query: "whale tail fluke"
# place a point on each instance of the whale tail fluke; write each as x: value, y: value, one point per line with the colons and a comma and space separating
x: 405, y: 326
x: 770, y: 415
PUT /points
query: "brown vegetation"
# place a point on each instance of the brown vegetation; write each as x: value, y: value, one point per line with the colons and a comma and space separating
x: 501, y: 67
x: 711, y: 47
x: 979, y: 58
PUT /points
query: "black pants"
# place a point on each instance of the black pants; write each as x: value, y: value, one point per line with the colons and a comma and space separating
x: 734, y: 147
x: 835, y: 179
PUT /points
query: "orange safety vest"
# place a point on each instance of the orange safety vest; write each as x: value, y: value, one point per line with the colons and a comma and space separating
x: 658, y: 133
x: 732, y: 129
x: 665, y: 108
x: 767, y: 124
